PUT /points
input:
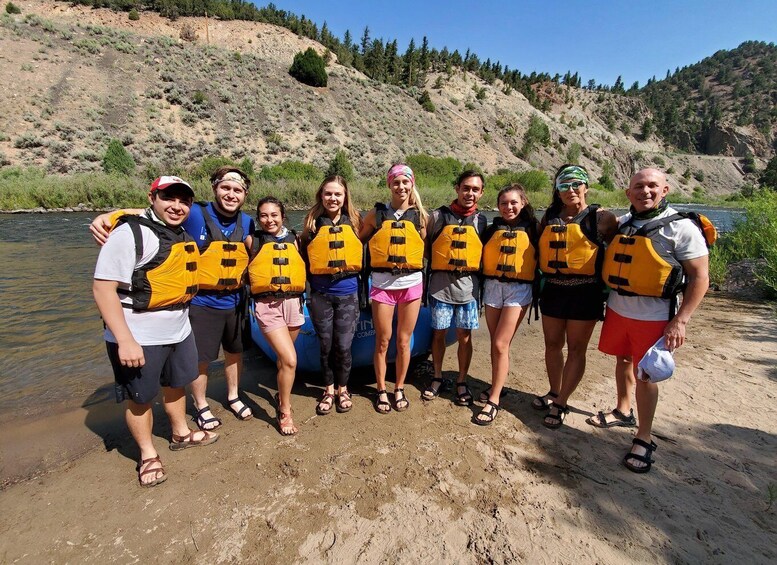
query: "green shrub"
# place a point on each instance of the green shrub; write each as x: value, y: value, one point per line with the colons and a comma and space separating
x: 430, y: 170
x: 12, y: 8
x: 537, y: 133
x: 309, y: 68
x: 133, y: 15
x: 290, y: 170
x: 117, y: 159
x: 755, y: 237
x: 341, y: 165
x: 426, y: 102
x: 573, y: 153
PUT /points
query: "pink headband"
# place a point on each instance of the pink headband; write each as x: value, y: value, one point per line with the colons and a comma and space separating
x: 398, y: 171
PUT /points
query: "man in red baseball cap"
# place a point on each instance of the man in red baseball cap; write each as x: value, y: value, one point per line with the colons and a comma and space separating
x: 145, y: 277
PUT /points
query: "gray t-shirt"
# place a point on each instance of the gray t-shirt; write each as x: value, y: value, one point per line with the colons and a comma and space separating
x: 453, y: 288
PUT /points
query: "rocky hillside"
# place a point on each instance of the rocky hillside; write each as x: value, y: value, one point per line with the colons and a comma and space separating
x: 82, y: 76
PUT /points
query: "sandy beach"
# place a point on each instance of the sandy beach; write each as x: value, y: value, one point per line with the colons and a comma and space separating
x: 425, y: 485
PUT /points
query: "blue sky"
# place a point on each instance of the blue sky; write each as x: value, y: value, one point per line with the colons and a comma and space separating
x: 600, y: 39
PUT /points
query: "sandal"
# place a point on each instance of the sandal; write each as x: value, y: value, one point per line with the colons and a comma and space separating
x: 239, y: 413
x: 202, y: 421
x: 646, y: 459
x: 543, y: 402
x: 429, y: 392
x: 463, y: 398
x: 187, y: 441
x: 325, y: 404
x: 382, y: 406
x: 148, y: 470
x: 285, y: 422
x: 621, y: 420
x: 342, y: 398
x: 400, y: 397
x: 485, y: 396
x: 554, y: 421
x: 487, y: 415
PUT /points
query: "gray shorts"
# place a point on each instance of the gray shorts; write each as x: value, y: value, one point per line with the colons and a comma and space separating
x: 501, y: 294
x: 173, y: 365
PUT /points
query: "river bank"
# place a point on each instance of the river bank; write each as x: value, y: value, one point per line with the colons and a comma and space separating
x: 426, y: 485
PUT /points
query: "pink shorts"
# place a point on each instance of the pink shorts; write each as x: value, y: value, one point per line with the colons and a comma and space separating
x: 399, y: 296
x: 274, y: 313
x: 626, y: 337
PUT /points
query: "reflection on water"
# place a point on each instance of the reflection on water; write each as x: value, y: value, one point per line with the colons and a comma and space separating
x: 50, y: 331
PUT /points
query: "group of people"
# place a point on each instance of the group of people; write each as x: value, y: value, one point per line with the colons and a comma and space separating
x: 172, y: 281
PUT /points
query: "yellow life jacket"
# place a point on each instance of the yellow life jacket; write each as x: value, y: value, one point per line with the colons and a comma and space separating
x: 396, y: 246
x: 456, y: 245
x: 169, y: 279
x: 335, y: 249
x: 509, y: 253
x: 572, y: 249
x: 223, y: 259
x: 637, y: 264
x: 277, y: 269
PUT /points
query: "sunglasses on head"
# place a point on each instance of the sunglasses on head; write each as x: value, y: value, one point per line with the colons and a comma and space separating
x: 563, y: 187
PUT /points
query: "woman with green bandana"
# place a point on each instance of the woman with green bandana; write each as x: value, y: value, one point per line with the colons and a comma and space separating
x: 571, y: 250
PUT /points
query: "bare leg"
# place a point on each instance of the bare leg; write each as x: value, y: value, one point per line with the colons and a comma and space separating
x: 578, y: 335
x: 140, y: 422
x: 233, y: 365
x: 464, y: 353
x: 625, y: 383
x: 647, y: 401
x: 382, y: 316
x: 407, y: 316
x: 282, y: 342
x: 502, y: 325
x: 554, y: 331
x: 199, y: 389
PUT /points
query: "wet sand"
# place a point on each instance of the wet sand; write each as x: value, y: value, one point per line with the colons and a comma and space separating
x: 425, y: 485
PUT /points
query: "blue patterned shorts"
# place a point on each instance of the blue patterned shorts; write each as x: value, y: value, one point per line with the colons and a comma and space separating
x: 461, y: 316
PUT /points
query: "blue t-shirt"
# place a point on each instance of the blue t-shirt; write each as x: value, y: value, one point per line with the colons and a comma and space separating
x: 326, y: 284
x: 195, y: 227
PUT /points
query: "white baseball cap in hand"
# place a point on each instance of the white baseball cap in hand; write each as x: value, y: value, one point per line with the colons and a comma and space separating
x: 657, y: 365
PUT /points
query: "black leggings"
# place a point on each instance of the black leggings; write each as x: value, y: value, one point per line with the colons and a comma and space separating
x: 334, y: 318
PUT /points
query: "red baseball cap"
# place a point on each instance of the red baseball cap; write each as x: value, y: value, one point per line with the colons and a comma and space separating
x: 163, y: 183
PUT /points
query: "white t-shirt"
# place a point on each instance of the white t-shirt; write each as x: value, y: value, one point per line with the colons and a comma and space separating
x: 116, y: 262
x: 684, y: 241
x: 387, y: 281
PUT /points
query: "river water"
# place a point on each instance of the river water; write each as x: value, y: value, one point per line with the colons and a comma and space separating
x: 53, y: 355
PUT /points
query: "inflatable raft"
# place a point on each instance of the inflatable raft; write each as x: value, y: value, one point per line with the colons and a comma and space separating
x: 308, y: 355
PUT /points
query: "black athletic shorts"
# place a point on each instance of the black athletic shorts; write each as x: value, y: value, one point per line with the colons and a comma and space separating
x: 173, y: 365
x: 213, y: 328
x: 576, y: 302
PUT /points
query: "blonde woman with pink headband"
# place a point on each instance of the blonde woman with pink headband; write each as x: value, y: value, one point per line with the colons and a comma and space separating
x: 396, y: 232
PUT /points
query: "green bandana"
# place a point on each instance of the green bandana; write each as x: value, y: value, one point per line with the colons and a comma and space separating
x: 648, y: 214
x: 571, y: 174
